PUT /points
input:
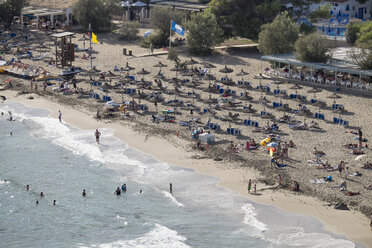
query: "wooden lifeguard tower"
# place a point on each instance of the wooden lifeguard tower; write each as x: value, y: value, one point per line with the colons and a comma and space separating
x: 65, y: 49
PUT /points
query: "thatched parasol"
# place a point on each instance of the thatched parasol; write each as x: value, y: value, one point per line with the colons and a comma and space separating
x: 160, y: 65
x: 191, y: 62
x: 334, y: 96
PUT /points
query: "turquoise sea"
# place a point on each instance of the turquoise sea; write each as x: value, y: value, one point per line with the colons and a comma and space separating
x: 61, y: 160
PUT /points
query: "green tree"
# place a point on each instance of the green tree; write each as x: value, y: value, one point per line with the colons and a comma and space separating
x: 322, y: 12
x: 312, y: 48
x: 203, y: 33
x: 365, y: 35
x: 363, y: 57
x: 243, y: 17
x: 352, y: 30
x: 94, y: 12
x: 160, y: 20
x: 279, y: 36
x: 129, y: 30
x: 11, y: 8
x: 307, y: 29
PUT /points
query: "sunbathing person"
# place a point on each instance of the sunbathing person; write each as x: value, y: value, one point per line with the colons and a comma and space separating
x: 357, y: 151
x: 295, y: 186
x: 367, y: 165
x: 350, y: 193
x: 292, y: 144
x: 253, y: 143
x: 316, y: 152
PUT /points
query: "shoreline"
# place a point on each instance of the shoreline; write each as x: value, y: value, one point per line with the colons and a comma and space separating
x: 351, y: 224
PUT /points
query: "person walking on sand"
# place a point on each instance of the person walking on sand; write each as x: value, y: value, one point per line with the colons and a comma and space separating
x: 171, y: 188
x: 360, y: 137
x: 97, y: 134
x: 59, y: 116
x: 249, y: 185
x: 279, y: 180
x: 254, y: 189
x: 346, y: 172
x: 371, y: 221
x: 151, y: 49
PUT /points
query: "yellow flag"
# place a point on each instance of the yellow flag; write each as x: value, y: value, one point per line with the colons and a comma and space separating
x: 94, y: 38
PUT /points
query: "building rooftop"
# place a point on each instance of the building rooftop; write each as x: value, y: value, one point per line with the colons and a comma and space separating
x: 337, y: 63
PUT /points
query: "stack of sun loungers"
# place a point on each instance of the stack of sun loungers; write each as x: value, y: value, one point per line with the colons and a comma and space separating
x: 233, y: 131
x: 319, y: 116
x: 340, y: 121
x: 250, y: 123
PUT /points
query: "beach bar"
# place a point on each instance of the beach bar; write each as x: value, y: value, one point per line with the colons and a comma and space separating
x: 339, y: 67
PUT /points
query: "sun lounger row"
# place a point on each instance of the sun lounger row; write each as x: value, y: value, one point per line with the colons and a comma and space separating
x: 337, y: 106
x: 214, y: 126
x: 129, y: 91
x: 233, y: 131
x: 106, y: 98
x: 296, y: 96
x: 277, y: 104
x: 143, y: 107
x: 175, y: 101
x: 250, y: 123
x: 96, y: 83
x: 340, y: 121
x: 227, y: 91
x: 276, y: 92
x: 94, y: 95
x: 244, y: 83
x: 319, y: 116
x: 264, y: 87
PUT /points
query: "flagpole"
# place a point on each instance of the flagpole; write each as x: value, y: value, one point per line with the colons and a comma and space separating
x: 90, y: 48
x: 170, y: 35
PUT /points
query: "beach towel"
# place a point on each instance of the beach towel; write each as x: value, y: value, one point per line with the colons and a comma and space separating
x: 281, y: 165
x: 317, y: 181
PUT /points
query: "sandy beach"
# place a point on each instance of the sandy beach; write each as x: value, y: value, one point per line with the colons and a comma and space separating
x: 234, y: 171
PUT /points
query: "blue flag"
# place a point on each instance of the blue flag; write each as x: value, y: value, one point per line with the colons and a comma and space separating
x: 177, y: 28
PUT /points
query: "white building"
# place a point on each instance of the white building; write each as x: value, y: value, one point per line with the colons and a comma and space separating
x: 348, y: 7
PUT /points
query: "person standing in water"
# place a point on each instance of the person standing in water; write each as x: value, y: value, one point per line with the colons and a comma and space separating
x: 171, y: 188
x: 117, y: 191
x: 97, y: 134
x: 59, y: 116
x: 54, y: 202
x: 27, y: 187
x: 83, y: 193
x: 124, y: 187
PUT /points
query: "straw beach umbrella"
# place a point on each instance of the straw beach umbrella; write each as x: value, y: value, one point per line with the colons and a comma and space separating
x: 226, y: 70
x: 242, y: 73
x: 314, y: 90
x: 160, y: 65
x: 334, y: 96
x: 295, y: 87
x: 143, y: 72
x: 191, y: 62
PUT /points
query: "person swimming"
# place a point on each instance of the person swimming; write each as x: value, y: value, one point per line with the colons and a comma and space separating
x: 83, y: 193
x: 117, y: 191
x: 124, y: 187
x: 140, y: 191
